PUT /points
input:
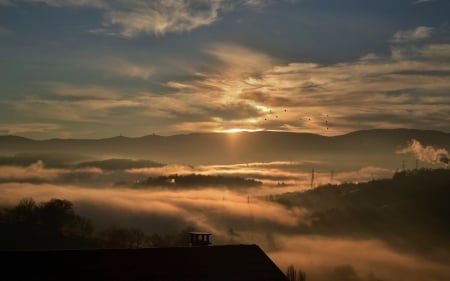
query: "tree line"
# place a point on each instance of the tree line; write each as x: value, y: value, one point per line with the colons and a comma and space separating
x: 55, y: 225
x: 196, y: 180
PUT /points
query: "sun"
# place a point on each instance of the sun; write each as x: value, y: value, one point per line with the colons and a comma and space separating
x: 238, y: 130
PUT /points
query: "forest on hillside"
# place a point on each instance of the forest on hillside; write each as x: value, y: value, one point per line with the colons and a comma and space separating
x: 197, y: 180
x: 409, y: 211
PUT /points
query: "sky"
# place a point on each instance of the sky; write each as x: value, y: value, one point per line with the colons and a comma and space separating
x: 100, y: 68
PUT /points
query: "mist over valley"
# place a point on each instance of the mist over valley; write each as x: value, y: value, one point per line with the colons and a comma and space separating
x: 317, y: 200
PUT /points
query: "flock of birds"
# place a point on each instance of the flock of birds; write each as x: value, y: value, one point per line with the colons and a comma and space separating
x: 307, y: 117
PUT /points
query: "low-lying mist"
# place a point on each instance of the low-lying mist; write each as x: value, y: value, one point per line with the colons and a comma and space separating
x: 237, y: 217
x: 284, y: 175
x: 344, y: 258
x: 112, y: 193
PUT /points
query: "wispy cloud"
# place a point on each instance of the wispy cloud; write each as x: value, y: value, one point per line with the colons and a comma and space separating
x: 76, y: 103
x: 124, y: 68
x: 156, y: 17
x: 38, y: 172
x: 422, y: 1
x: 329, y: 99
x: 237, y: 60
x: 95, y: 110
x: 82, y: 91
x: 294, y: 175
x: 35, y: 171
x: 160, y: 17
x: 20, y: 128
x: 247, y: 89
x: 63, y: 3
x: 363, y: 175
x: 419, y: 33
x: 112, y: 68
x: 436, y: 51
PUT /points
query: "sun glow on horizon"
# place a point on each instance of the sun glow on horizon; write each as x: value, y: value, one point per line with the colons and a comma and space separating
x: 238, y: 130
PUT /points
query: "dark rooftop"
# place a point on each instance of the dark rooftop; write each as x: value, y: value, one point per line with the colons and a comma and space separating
x: 212, y: 263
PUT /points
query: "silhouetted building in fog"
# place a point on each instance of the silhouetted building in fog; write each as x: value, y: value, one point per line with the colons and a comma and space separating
x: 213, y: 263
x: 199, y: 238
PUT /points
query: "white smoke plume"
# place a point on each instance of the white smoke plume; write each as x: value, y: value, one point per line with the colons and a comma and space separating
x: 427, y: 153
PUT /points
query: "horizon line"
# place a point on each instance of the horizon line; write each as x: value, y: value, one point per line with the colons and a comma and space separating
x: 243, y: 131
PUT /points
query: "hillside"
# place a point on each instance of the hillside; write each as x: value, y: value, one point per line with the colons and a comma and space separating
x: 410, y: 210
x: 371, y: 147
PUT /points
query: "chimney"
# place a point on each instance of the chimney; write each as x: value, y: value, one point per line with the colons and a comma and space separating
x: 200, y: 238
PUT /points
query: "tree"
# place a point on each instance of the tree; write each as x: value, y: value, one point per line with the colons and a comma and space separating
x: 24, y: 213
x: 78, y: 227
x: 295, y: 275
x: 51, y: 224
x: 55, y: 214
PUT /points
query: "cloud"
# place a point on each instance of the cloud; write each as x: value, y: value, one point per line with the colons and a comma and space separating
x: 65, y: 3
x: 326, y: 99
x: 209, y: 209
x: 436, y: 51
x: 237, y: 60
x: 423, y: 153
x: 278, y: 177
x: 82, y: 91
x: 267, y: 171
x: 13, y: 129
x: 123, y: 68
x: 156, y: 17
x: 422, y: 1
x: 248, y: 89
x: 269, y: 174
x: 160, y: 17
x: 77, y: 103
x: 419, y: 33
x: 363, y: 174
x: 329, y: 258
x: 37, y: 172
x: 163, y: 171
x: 260, y: 92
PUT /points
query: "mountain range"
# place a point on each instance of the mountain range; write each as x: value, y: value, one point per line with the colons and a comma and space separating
x: 369, y: 147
